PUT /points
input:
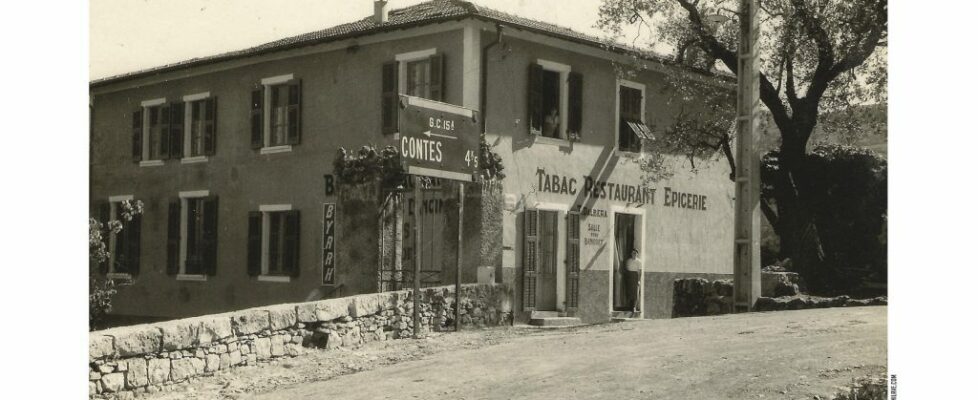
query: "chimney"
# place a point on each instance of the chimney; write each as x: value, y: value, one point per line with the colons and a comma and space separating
x: 380, y: 11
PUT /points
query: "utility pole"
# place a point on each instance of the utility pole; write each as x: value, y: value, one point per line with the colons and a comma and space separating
x: 458, y: 261
x: 747, y: 228
x: 416, y: 315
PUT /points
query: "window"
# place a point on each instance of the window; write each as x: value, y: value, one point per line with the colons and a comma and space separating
x: 123, y: 247
x: 192, y: 236
x: 157, y: 132
x: 278, y: 126
x: 631, y: 117
x: 273, y: 242
x: 418, y: 73
x: 201, y: 135
x: 555, y: 101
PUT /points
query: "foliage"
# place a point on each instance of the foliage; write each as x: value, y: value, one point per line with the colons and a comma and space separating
x: 846, y: 191
x: 818, y: 59
x: 865, y: 388
x: 100, y: 288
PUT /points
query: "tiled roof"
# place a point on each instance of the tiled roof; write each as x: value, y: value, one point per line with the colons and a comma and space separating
x: 419, y: 14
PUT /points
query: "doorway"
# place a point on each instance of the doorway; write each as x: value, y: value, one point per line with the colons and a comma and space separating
x: 625, y: 291
x: 547, y: 274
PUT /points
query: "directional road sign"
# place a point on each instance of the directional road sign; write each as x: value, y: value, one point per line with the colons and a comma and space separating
x: 438, y: 139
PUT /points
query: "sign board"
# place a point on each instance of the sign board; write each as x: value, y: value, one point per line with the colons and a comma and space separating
x: 437, y: 139
x: 329, y: 243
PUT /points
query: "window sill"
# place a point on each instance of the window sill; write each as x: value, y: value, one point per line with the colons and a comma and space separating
x: 119, y: 276
x: 185, y: 277
x: 151, y: 163
x: 551, y: 141
x: 193, y: 160
x: 274, y: 278
x: 276, y: 149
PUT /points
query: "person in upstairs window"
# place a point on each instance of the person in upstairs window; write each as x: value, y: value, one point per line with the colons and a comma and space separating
x: 633, y: 278
x: 551, y: 124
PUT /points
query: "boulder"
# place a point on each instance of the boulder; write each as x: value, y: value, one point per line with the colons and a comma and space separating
x: 136, y: 340
x: 100, y: 346
x: 281, y: 317
x: 158, y: 370
x: 213, y: 328
x: 182, y: 369
x: 213, y: 363
x: 113, y: 382
x: 179, y: 334
x: 263, y: 348
x: 249, y: 322
x: 136, y: 373
x: 277, y: 348
x: 367, y: 304
x: 323, y: 311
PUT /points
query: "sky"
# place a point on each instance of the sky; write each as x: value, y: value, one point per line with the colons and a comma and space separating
x: 130, y: 35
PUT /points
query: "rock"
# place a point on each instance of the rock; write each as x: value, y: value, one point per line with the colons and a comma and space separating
x: 252, y: 359
x: 282, y: 317
x: 293, y: 349
x: 179, y: 334
x: 324, y: 310
x: 94, y: 375
x: 235, y: 357
x: 113, y: 382
x: 106, y: 369
x: 136, y: 340
x: 92, y: 389
x: 158, y: 370
x: 137, y: 374
x: 213, y: 328
x: 199, y: 365
x: 367, y: 304
x: 278, y: 346
x: 181, y: 370
x: 100, y: 346
x: 224, y: 361
x: 249, y: 322
x: 220, y: 349
x: 263, y: 348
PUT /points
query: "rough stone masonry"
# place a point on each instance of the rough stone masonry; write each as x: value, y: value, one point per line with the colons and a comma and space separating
x: 150, y: 356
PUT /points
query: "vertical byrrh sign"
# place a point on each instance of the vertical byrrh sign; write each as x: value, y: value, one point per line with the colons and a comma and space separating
x: 329, y: 243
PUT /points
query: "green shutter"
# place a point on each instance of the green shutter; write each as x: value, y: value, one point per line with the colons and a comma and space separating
x: 437, y: 83
x: 176, y: 131
x: 531, y: 258
x: 294, y: 113
x: 573, y: 259
x: 389, y: 103
x: 164, y: 122
x: 575, y: 83
x: 534, y: 105
x: 209, y: 241
x: 257, y: 118
x: 132, y: 232
x: 291, y: 258
x: 137, y: 135
x: 173, y: 238
x: 210, y: 126
x: 254, y: 243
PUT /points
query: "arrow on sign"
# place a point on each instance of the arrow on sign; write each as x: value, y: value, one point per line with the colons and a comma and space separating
x: 429, y: 134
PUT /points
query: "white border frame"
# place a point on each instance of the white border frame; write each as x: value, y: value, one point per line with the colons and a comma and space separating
x: 266, y: 222
x: 188, y: 101
x: 184, y: 196
x: 266, y: 84
x: 634, y: 85
x: 642, y: 214
x: 404, y: 58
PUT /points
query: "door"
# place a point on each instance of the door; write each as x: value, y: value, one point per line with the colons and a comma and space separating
x: 547, y: 275
x: 624, y: 244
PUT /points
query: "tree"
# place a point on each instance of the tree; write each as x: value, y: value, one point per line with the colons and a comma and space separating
x: 100, y: 288
x: 818, y: 57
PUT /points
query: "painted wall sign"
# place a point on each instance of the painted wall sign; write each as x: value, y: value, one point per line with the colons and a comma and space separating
x: 329, y: 243
x: 598, y: 189
x: 684, y: 200
x: 438, y: 139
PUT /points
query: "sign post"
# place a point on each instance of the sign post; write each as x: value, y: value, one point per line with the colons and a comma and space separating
x: 437, y: 140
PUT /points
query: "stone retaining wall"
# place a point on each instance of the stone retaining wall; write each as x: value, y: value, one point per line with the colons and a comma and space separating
x: 147, y: 357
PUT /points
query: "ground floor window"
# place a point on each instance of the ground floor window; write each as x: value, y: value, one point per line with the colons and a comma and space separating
x: 123, y: 246
x: 273, y: 242
x: 192, y: 235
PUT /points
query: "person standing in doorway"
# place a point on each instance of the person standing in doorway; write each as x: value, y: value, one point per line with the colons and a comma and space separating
x: 633, y: 278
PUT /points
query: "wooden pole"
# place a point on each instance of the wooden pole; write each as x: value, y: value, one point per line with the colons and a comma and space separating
x: 747, y: 221
x: 458, y: 260
x: 416, y: 317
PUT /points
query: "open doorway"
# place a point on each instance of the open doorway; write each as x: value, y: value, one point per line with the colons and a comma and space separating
x: 626, y: 275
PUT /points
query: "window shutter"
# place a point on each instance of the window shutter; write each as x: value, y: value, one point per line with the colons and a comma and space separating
x: 132, y: 232
x: 164, y: 132
x: 575, y: 83
x: 210, y: 126
x: 173, y: 238
x: 573, y: 258
x: 102, y: 211
x: 531, y: 258
x: 137, y: 136
x: 210, y: 236
x: 292, y: 242
x: 534, y: 103
x: 389, y: 99
x: 254, y: 243
x: 295, y: 113
x: 437, y: 83
x: 257, y: 118
x: 176, y: 130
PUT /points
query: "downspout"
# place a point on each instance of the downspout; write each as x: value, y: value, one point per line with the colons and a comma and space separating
x: 483, y: 84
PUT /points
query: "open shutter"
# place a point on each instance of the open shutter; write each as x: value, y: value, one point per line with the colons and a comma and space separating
x: 132, y: 231
x: 164, y: 122
x: 575, y: 83
x: 531, y: 258
x: 102, y: 211
x: 257, y: 118
x: 437, y: 82
x: 295, y: 113
x: 210, y: 126
x: 173, y: 238
x: 137, y: 136
x: 389, y: 99
x: 573, y: 258
x: 254, y: 243
x: 292, y: 242
x: 176, y: 130
x: 534, y: 105
x: 210, y: 236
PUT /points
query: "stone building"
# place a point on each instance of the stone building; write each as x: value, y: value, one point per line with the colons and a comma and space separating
x: 232, y: 156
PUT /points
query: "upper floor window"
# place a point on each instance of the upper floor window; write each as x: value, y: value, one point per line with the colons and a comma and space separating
x: 157, y: 132
x: 555, y: 100
x: 276, y: 114
x: 632, y: 129
x: 201, y: 137
x: 418, y: 73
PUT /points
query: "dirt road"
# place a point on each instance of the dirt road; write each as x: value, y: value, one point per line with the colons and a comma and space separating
x: 783, y: 355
